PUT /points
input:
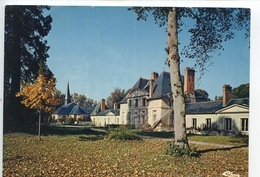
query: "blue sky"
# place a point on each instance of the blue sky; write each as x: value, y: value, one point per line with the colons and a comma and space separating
x: 100, y: 48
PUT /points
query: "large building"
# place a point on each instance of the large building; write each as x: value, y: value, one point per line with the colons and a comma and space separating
x: 148, y: 105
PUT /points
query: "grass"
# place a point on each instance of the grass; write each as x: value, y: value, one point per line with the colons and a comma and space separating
x: 85, y: 153
x: 231, y: 140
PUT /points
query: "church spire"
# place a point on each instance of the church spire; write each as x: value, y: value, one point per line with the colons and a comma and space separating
x: 67, y: 96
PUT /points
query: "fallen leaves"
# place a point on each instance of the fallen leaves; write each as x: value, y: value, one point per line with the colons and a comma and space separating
x: 67, y: 156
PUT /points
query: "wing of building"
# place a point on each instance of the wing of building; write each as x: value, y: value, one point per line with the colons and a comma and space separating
x: 148, y: 105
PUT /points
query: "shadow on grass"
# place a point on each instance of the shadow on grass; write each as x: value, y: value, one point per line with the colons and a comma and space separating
x: 156, y: 134
x: 91, y: 137
x: 221, y: 149
x: 55, y: 130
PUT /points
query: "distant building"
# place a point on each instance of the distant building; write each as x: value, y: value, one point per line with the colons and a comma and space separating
x: 102, y: 116
x: 71, y: 112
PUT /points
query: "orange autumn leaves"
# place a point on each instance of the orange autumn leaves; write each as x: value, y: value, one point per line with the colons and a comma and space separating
x: 40, y: 95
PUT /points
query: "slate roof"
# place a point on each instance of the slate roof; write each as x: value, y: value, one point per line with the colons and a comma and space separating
x: 162, y: 86
x: 97, y: 109
x: 240, y: 101
x: 65, y: 109
x: 203, y: 107
x: 72, y: 109
x: 106, y: 111
x: 140, y: 83
x: 213, y: 106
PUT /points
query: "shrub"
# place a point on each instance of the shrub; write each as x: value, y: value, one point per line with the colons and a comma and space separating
x: 122, y: 134
x: 172, y: 149
x: 69, y: 120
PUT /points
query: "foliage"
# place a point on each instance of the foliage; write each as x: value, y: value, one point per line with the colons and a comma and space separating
x: 205, y: 38
x: 61, y: 97
x: 115, y: 97
x: 204, y: 96
x: 122, y: 134
x: 70, y: 156
x: 175, y: 150
x: 241, y: 91
x: 69, y: 120
x: 218, y: 98
x: 79, y: 98
x: 25, y: 46
x: 89, y: 103
x: 39, y: 96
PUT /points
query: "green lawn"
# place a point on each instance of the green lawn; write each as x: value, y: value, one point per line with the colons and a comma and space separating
x: 231, y: 140
x: 81, y: 153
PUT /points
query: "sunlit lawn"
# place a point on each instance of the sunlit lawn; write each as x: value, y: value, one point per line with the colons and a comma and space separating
x: 77, y: 155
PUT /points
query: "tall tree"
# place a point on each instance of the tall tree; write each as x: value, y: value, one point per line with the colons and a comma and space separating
x: 25, y: 29
x: 79, y: 98
x: 212, y: 27
x: 39, y: 96
x: 115, y: 97
x: 241, y: 91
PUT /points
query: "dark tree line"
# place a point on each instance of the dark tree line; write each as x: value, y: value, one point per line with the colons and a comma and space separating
x: 25, y: 50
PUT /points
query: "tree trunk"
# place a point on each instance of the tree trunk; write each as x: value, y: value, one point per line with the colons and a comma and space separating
x: 176, y: 84
x: 39, y: 126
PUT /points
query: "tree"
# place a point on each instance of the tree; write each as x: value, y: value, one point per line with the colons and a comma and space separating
x: 60, y: 96
x: 203, y: 95
x: 241, y: 91
x: 115, y: 97
x: 25, y: 29
x: 212, y: 27
x: 217, y: 98
x: 79, y: 98
x: 90, y: 103
x: 39, y: 96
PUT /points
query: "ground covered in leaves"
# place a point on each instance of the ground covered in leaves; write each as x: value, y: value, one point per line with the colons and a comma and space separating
x: 80, y: 155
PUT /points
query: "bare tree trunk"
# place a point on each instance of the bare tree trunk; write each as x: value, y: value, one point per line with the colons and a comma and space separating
x: 176, y: 84
x: 39, y: 126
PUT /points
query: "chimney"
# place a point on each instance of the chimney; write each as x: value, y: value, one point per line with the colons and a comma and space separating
x: 103, y: 105
x: 154, y: 76
x: 189, y: 75
x: 115, y: 106
x: 227, y: 94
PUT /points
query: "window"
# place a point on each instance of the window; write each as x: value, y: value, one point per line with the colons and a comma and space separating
x: 208, y: 123
x: 154, y: 115
x: 130, y: 103
x: 136, y: 102
x: 244, y: 124
x: 227, y: 124
x: 194, y: 123
x: 143, y: 101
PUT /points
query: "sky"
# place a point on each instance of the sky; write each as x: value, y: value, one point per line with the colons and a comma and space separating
x: 97, y: 49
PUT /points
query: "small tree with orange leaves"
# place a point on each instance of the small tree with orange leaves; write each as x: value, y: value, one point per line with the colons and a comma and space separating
x: 39, y: 96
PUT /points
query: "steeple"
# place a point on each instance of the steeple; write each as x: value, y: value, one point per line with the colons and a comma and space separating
x: 67, y: 96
